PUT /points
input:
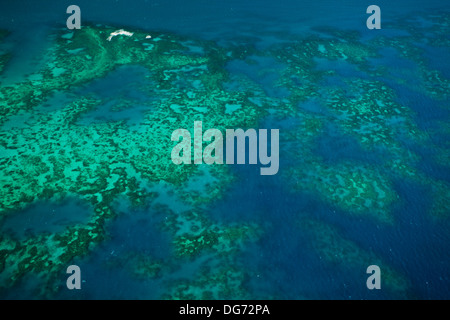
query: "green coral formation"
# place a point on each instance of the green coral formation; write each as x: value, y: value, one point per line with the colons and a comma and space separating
x: 367, y: 109
x: 145, y: 267
x: 194, y: 233
x: 50, y: 253
x: 88, y: 55
x: 104, y: 142
x: 195, y: 236
x: 225, y: 283
x: 140, y: 265
x: 60, y: 157
x: 98, y: 162
x: 432, y: 82
x: 218, y: 239
x: 358, y: 190
x: 364, y: 108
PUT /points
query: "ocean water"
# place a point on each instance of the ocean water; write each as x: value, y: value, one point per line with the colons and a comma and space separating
x: 86, y: 176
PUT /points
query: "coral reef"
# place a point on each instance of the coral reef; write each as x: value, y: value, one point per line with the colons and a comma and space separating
x: 223, y: 283
x: 356, y: 189
x: 51, y: 154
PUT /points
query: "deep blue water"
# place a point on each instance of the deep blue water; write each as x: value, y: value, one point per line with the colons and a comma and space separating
x: 282, y: 264
x: 46, y: 217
